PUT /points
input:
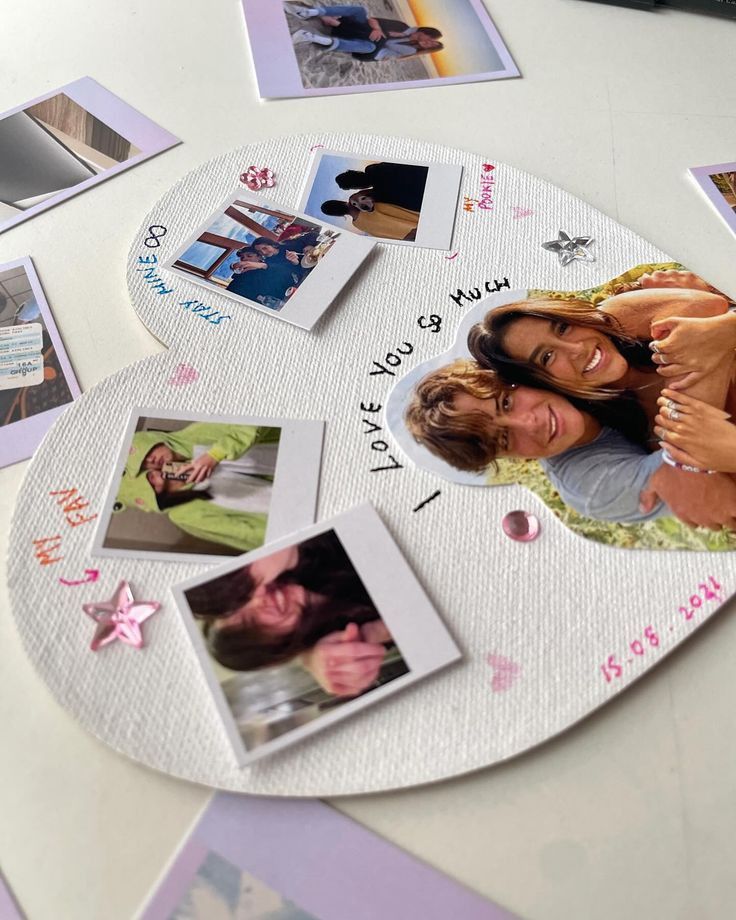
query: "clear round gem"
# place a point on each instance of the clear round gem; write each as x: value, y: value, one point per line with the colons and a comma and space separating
x: 521, y: 526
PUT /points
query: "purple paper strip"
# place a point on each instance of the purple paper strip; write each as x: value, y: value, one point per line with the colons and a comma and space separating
x: 323, y: 862
x: 117, y: 115
x: 702, y: 175
x: 9, y: 909
x: 277, y: 70
x: 19, y: 440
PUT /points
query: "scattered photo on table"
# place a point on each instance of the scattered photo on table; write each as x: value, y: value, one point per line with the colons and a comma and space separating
x: 195, y: 487
x: 36, y: 378
x: 220, y: 888
x: 309, y: 630
x: 310, y: 49
x: 66, y: 141
x: 719, y: 184
x: 238, y: 863
x: 559, y: 391
x: 270, y: 257
x: 393, y: 201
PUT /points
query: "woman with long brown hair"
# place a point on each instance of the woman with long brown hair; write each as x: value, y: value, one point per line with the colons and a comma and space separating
x: 628, y: 347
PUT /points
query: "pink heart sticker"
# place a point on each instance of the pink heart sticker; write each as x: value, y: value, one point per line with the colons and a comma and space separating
x: 505, y: 672
x: 183, y: 375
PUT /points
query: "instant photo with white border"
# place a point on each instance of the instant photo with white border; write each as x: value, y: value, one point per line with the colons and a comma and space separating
x: 439, y: 204
x: 41, y: 166
x: 315, y: 294
x: 279, y: 73
x: 415, y: 626
x: 295, y: 486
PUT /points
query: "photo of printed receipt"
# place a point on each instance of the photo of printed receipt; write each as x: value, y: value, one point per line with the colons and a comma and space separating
x: 36, y: 378
x: 21, y: 356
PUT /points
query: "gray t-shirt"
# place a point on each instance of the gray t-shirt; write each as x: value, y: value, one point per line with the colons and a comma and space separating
x: 603, y: 479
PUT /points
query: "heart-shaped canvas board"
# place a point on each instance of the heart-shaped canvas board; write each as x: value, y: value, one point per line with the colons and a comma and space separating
x: 549, y: 629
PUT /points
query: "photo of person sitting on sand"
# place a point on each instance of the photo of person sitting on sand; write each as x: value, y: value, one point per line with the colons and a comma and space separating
x: 352, y: 30
x: 302, y: 48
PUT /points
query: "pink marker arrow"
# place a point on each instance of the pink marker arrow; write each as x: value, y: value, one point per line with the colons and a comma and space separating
x: 92, y: 575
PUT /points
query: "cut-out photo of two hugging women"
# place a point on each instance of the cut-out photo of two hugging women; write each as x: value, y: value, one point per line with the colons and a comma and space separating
x: 624, y: 394
x: 195, y: 487
x: 293, y: 634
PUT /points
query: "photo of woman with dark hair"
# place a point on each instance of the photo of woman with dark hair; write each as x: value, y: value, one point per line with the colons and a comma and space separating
x: 305, y: 604
x: 311, y: 629
x: 670, y: 326
x: 609, y: 403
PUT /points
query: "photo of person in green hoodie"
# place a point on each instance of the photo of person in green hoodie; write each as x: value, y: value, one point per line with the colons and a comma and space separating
x: 195, y: 488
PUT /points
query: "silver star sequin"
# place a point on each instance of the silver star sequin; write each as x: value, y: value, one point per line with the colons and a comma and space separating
x: 571, y: 249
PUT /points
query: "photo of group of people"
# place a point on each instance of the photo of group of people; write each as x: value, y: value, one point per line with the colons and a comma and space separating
x: 264, y: 255
x: 397, y: 202
x: 309, y: 630
x: 200, y: 488
x: 65, y: 141
x: 614, y: 404
x: 379, y: 44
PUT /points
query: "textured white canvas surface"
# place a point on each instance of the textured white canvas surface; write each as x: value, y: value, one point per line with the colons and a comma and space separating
x: 556, y: 608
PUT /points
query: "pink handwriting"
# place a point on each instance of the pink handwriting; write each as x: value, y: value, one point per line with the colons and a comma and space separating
x: 487, y: 187
x: 705, y: 594
x: 614, y: 665
x: 92, y: 575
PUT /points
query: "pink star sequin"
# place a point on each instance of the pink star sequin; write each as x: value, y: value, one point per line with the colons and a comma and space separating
x: 119, y: 618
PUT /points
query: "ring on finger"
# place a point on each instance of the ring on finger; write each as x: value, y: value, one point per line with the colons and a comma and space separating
x: 671, y: 405
x: 654, y: 347
x: 673, y: 414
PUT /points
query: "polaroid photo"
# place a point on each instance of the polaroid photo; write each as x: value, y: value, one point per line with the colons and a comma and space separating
x: 221, y: 872
x: 558, y: 391
x: 198, y: 488
x: 413, y: 204
x: 719, y: 184
x: 66, y: 141
x: 273, y: 258
x: 310, y: 49
x: 309, y: 630
x: 36, y: 378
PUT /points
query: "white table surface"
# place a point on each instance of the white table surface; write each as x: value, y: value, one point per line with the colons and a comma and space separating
x: 633, y: 812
